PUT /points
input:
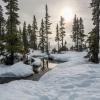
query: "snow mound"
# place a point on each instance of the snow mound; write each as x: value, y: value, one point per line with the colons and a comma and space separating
x: 16, y: 70
x: 37, y: 62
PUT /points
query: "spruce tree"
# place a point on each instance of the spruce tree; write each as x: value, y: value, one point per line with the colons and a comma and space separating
x: 2, y: 21
x: 94, y: 36
x: 29, y: 32
x: 78, y: 33
x: 25, y: 41
x: 57, y: 38
x: 62, y: 30
x: 81, y: 34
x: 2, y: 26
x: 33, y: 39
x: 42, y: 37
x: 20, y: 34
x: 47, y: 28
x: 12, y: 22
x: 74, y: 31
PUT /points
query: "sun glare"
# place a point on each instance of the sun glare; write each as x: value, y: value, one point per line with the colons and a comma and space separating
x: 68, y: 14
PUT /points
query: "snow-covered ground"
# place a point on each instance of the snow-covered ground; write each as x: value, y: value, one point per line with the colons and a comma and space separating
x: 16, y: 70
x: 76, y: 79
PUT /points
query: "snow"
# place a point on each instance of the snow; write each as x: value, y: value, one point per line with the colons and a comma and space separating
x: 37, y: 62
x: 36, y: 53
x: 76, y: 79
x: 69, y: 56
x: 17, y: 70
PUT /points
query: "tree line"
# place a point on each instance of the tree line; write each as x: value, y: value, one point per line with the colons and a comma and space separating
x: 14, y: 39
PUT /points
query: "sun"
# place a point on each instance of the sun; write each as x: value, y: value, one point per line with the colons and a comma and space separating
x: 68, y: 14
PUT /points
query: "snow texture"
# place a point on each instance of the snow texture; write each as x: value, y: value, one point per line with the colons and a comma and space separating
x: 76, y: 79
x: 16, y: 70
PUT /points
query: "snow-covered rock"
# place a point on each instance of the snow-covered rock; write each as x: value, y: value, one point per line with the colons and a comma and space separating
x: 16, y: 70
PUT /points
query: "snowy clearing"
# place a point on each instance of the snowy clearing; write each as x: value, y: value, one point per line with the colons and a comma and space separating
x: 74, y: 80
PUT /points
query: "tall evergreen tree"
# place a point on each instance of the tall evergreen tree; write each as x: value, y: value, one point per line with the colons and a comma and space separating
x: 81, y: 34
x: 57, y: 38
x: 47, y: 28
x: 2, y: 25
x: 42, y: 37
x: 33, y: 39
x: 25, y: 41
x: 74, y: 31
x: 62, y: 30
x: 12, y: 22
x: 2, y: 21
x: 20, y: 34
x: 29, y: 31
x: 78, y: 33
x: 94, y: 36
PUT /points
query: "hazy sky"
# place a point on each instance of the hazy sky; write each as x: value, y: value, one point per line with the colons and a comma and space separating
x: 28, y: 8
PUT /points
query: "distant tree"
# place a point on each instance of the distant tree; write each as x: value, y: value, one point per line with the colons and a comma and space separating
x: 94, y: 35
x: 71, y: 48
x: 12, y: 41
x: 74, y: 30
x: 65, y: 43
x: 78, y: 33
x: 20, y: 33
x: 81, y: 34
x: 33, y: 39
x: 54, y: 50
x: 47, y: 28
x: 25, y: 40
x: 42, y: 37
x: 2, y: 26
x: 62, y: 30
x: 57, y: 38
x: 29, y: 33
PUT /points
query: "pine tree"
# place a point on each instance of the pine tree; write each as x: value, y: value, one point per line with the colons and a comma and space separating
x: 74, y: 31
x: 42, y: 37
x: 33, y: 39
x: 81, y: 34
x: 94, y: 36
x: 2, y: 26
x: 62, y: 30
x: 12, y: 22
x: 2, y: 21
x: 78, y: 33
x: 20, y: 34
x: 25, y: 41
x: 57, y: 38
x: 47, y: 28
x: 29, y: 32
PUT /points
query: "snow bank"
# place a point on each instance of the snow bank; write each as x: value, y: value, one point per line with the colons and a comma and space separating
x: 69, y: 56
x: 16, y: 70
x: 36, y: 53
x: 74, y: 80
